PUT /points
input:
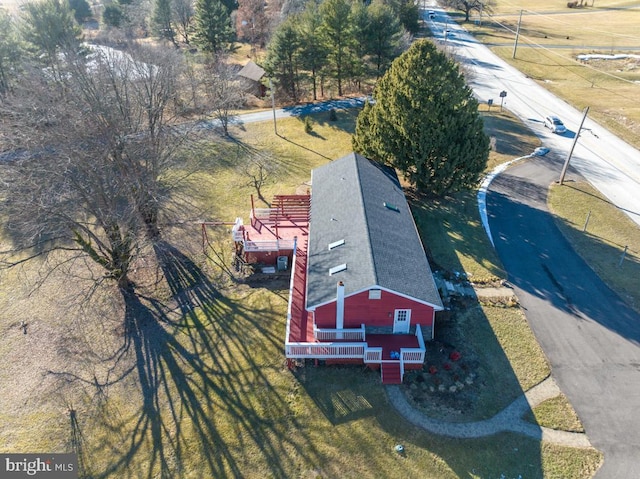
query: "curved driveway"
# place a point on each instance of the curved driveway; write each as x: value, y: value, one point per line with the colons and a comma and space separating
x: 590, y: 336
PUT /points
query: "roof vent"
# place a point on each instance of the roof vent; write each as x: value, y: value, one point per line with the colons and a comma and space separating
x: 391, y: 207
x: 335, y: 244
x: 337, y: 269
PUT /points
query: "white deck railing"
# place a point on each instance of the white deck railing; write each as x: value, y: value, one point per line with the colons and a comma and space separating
x: 326, y: 334
x: 262, y: 213
x: 420, y: 337
x: 325, y: 350
x: 252, y: 246
x: 237, y: 231
x: 268, y: 245
x: 373, y: 355
x: 412, y: 355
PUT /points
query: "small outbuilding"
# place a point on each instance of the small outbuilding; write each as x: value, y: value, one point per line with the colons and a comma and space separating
x: 251, y: 76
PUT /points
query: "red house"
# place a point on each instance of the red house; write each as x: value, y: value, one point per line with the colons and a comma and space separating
x: 361, y: 287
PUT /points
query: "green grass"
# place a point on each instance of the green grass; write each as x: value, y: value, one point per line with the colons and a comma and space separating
x: 603, y: 243
x: 556, y: 413
x: 219, y: 400
x: 455, y: 239
x: 512, y: 138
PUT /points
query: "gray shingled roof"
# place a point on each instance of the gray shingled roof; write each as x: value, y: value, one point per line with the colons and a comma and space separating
x: 252, y: 71
x: 381, y: 246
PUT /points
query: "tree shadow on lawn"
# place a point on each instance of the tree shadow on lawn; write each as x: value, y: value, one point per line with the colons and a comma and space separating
x: 331, y: 387
x: 198, y: 372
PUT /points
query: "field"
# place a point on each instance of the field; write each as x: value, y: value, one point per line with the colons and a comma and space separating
x: 551, y: 37
x: 197, y: 386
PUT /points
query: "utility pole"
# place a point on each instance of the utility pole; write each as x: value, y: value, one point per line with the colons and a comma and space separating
x: 575, y: 140
x: 515, y: 45
x: 481, y: 6
x: 273, y: 107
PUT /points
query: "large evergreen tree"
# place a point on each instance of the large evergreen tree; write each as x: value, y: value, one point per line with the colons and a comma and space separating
x: 361, y: 31
x: 10, y: 51
x: 283, y: 60
x: 337, y: 30
x: 50, y: 29
x: 161, y: 20
x: 386, y: 32
x: 407, y: 12
x: 312, y: 50
x: 81, y: 10
x: 425, y: 122
x: 213, y: 31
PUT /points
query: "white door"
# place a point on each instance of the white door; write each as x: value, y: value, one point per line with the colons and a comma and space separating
x: 401, y: 321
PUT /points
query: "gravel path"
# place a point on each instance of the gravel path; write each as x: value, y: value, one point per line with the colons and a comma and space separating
x: 509, y: 419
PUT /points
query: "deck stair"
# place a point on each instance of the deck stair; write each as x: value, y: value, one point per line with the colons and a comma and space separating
x: 391, y: 373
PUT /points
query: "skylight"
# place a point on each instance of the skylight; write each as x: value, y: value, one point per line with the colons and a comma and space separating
x: 337, y: 269
x: 391, y: 207
x: 335, y: 244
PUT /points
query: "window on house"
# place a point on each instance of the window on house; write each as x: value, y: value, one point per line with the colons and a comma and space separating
x: 375, y: 294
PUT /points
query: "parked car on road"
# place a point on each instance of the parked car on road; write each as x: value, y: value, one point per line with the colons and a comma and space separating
x: 554, y: 124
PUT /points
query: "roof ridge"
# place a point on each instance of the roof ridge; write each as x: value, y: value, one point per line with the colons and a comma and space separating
x: 358, y: 159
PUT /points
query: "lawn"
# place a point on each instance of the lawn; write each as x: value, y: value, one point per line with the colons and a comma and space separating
x: 196, y: 386
x: 606, y: 238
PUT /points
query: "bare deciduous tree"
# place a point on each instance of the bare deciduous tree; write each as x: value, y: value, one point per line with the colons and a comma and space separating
x: 183, y: 13
x: 259, y: 169
x: 468, y: 6
x: 95, y: 151
x: 223, y: 91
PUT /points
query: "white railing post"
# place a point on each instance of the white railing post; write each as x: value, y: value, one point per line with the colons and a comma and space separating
x: 420, y: 337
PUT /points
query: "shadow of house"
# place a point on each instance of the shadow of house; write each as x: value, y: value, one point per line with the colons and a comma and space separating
x: 250, y: 77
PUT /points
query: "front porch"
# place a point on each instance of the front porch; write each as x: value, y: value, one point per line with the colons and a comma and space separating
x: 391, y: 353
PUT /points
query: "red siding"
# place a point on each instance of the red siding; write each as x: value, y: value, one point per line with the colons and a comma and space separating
x: 359, y: 309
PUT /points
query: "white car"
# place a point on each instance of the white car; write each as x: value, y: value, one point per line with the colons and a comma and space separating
x: 554, y: 124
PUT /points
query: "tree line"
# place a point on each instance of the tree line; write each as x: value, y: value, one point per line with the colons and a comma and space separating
x: 304, y: 44
x: 339, y: 40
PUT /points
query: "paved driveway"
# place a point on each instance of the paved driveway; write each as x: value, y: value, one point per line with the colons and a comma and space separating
x: 589, y: 335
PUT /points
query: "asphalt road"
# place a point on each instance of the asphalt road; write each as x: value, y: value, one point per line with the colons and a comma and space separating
x: 609, y: 163
x: 591, y: 338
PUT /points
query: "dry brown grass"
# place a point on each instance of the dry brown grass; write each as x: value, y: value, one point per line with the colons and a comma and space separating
x: 221, y: 389
x: 551, y: 37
